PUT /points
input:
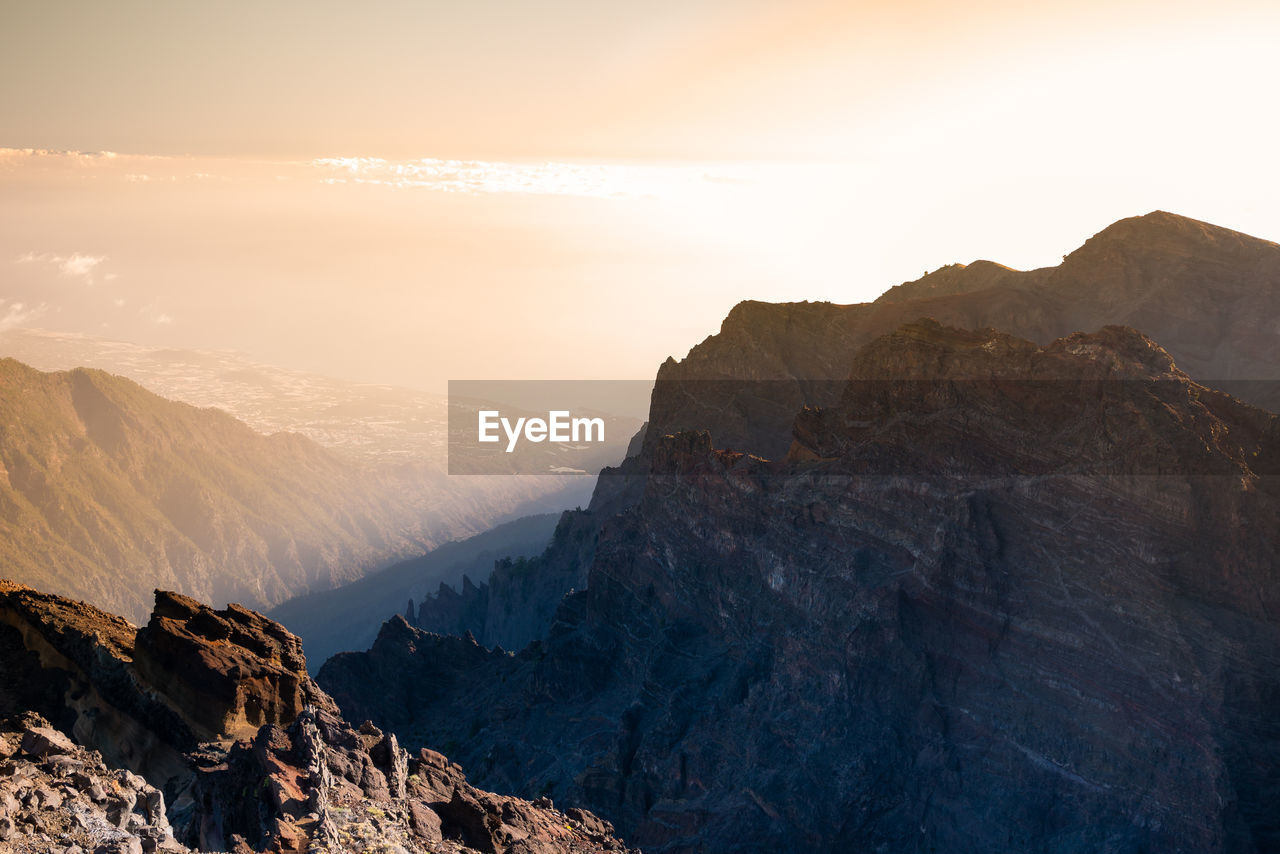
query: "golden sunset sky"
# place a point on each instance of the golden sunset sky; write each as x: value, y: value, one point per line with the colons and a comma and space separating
x: 409, y: 192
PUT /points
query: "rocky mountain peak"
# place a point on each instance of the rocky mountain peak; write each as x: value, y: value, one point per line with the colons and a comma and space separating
x: 1162, y: 231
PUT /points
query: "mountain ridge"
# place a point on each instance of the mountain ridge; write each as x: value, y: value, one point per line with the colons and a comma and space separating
x: 1209, y: 295
x: 108, y: 490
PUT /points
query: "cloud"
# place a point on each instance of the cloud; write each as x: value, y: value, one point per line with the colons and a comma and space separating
x: 473, y: 177
x: 163, y: 318
x: 79, y: 265
x: 53, y: 153
x: 486, y: 176
x: 18, y: 314
x: 76, y: 265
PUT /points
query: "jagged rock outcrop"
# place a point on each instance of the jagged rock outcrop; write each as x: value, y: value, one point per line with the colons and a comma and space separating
x: 232, y: 671
x: 73, y: 664
x: 955, y: 613
x: 347, y: 618
x: 215, y: 709
x: 324, y: 785
x: 517, y: 604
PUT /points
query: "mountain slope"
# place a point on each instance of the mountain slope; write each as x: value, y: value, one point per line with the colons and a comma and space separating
x: 960, y: 613
x: 108, y: 491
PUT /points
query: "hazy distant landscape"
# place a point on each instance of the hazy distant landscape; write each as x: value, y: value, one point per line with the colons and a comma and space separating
x: 715, y: 427
x: 378, y: 423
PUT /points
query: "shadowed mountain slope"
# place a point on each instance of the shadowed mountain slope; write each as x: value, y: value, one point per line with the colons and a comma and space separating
x: 347, y: 617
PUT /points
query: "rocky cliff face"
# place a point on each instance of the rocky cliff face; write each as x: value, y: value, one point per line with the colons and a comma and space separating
x: 215, y: 711
x: 518, y: 603
x: 348, y: 617
x: 954, y: 612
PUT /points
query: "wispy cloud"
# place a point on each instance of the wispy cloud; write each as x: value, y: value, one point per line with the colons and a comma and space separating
x: 473, y: 177
x: 13, y: 314
x: 487, y: 176
x: 52, y: 153
x: 152, y: 313
x: 76, y: 265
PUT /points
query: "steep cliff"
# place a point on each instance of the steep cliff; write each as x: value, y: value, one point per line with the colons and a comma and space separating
x: 517, y: 604
x: 992, y: 596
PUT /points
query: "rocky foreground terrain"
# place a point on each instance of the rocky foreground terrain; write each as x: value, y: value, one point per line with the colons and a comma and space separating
x: 993, y: 595
x: 202, y: 731
x: 55, y: 796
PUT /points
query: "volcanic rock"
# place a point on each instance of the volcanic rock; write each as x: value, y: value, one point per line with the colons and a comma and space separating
x: 253, y: 755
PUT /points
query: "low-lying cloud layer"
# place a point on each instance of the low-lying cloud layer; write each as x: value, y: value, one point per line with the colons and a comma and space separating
x: 479, y: 177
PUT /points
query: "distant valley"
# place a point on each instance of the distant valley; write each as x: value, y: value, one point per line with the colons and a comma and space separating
x: 110, y: 491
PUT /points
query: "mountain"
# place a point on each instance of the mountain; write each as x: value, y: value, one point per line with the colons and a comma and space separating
x: 370, y: 422
x: 1204, y: 292
x: 202, y: 731
x: 108, y: 491
x: 517, y: 603
x: 1209, y: 295
x: 994, y: 596
x: 347, y: 617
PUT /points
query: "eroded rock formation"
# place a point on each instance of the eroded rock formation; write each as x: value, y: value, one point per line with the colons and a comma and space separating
x: 215, y: 710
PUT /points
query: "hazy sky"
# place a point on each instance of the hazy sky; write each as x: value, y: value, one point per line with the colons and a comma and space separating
x: 285, y: 178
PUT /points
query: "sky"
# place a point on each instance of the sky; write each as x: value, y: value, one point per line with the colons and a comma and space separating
x: 411, y: 192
